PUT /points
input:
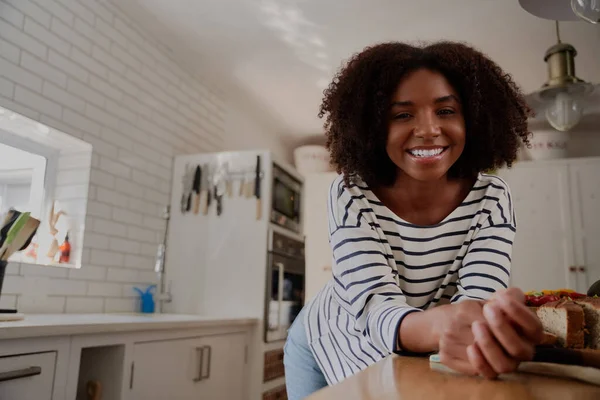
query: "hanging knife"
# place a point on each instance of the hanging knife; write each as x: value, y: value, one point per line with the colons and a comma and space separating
x: 186, y: 197
x: 218, y: 198
x: 206, y: 188
x: 184, y: 184
x: 257, y: 190
x: 196, y: 188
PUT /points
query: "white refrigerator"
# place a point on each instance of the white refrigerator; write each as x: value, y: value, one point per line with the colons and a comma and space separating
x: 220, y: 240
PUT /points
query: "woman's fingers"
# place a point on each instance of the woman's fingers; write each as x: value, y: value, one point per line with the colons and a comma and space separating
x: 479, y: 362
x: 504, y: 332
x: 458, y: 364
x: 492, y: 350
x: 518, y: 312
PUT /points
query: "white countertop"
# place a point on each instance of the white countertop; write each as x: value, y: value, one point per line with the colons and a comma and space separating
x: 36, y: 325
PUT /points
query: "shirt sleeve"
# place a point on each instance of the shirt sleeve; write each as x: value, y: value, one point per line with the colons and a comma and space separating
x: 364, y: 275
x: 486, y: 266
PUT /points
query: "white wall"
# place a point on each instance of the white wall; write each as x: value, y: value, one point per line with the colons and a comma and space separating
x: 245, y: 133
x: 82, y: 67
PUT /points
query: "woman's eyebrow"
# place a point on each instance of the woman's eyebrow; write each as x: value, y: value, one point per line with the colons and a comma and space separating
x: 402, y: 103
x: 444, y: 99
x: 438, y: 100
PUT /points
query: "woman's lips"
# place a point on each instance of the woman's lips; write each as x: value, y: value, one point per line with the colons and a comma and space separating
x: 427, y: 154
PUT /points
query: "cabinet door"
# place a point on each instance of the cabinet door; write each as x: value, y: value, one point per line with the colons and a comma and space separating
x: 585, y: 190
x: 224, y: 373
x: 210, y: 367
x: 166, y: 370
x: 543, y: 251
x: 316, y: 230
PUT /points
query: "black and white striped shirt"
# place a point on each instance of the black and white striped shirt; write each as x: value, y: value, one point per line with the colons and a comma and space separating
x: 385, y: 268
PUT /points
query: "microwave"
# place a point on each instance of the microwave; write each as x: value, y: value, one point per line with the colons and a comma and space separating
x: 285, y: 204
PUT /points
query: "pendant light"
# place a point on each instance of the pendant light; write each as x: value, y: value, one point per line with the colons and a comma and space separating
x: 564, y: 94
x: 564, y: 10
x: 588, y: 10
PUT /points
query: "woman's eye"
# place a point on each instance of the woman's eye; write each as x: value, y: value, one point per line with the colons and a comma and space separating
x: 446, y: 111
x: 402, y: 116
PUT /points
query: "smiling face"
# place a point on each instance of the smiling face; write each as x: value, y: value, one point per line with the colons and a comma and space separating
x: 426, y: 133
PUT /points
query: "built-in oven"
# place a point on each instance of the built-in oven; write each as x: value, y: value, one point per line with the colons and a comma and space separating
x: 285, y: 285
x: 285, y: 204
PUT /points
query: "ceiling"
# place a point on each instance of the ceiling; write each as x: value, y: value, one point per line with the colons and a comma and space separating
x: 274, y: 57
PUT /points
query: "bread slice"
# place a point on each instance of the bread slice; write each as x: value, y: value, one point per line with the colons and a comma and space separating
x: 591, y: 309
x: 549, y: 339
x: 565, y: 319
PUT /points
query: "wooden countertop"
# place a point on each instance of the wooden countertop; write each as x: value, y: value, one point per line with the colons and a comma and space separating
x: 408, y: 378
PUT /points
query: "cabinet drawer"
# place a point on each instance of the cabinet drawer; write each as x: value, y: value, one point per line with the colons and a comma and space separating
x: 273, y: 365
x: 279, y: 393
x: 29, y: 376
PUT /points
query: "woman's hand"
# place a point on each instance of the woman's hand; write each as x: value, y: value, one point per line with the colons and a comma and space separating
x: 456, y: 335
x: 509, y: 335
x: 490, y: 338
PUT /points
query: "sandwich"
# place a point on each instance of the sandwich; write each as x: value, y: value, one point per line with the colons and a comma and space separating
x: 570, y: 319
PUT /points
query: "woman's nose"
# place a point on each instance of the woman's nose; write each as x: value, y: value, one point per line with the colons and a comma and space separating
x: 427, y: 127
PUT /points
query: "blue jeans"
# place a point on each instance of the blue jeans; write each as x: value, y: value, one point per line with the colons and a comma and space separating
x: 303, y: 376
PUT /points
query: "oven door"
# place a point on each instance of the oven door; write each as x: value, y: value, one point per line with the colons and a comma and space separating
x: 285, y: 295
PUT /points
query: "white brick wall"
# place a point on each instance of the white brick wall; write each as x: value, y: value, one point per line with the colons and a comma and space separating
x: 82, y: 67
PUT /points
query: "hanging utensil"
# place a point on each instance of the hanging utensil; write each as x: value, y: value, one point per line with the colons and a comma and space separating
x: 228, y: 181
x: 190, y: 184
x: 186, y: 196
x: 257, y: 189
x: 206, y: 189
x: 184, y: 183
x: 196, y: 188
x: 242, y: 189
x: 249, y: 186
x: 220, y: 187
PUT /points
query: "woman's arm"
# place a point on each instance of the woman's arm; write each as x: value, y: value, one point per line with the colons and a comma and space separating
x: 364, y: 281
x: 486, y: 267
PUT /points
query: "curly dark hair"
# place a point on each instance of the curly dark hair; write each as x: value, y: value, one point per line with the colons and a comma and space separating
x: 356, y: 108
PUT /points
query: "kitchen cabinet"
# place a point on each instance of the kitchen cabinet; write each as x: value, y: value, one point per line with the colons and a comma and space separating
x: 585, y: 197
x: 558, y: 223
x: 128, y: 356
x: 316, y: 230
x: 543, y: 246
x: 27, y: 376
x: 210, y: 367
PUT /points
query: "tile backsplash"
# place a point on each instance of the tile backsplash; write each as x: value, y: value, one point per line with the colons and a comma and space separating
x: 82, y: 66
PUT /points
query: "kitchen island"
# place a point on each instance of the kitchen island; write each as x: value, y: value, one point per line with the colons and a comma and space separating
x: 411, y: 378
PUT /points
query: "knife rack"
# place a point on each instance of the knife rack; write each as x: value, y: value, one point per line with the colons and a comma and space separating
x: 217, y: 175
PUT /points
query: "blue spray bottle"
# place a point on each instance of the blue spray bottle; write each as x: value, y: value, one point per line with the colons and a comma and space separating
x: 146, y: 299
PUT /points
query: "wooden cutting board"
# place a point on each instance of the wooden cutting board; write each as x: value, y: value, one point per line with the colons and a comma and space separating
x: 584, y: 374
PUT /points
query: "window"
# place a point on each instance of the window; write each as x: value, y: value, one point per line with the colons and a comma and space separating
x: 45, y: 172
x: 21, y: 180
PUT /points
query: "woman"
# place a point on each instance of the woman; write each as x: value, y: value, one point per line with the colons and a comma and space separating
x: 421, y: 237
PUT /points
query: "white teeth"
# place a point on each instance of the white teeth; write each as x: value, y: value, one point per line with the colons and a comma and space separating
x: 426, y: 152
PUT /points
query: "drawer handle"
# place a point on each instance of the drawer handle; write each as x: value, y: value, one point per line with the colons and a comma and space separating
x: 20, y: 374
x: 200, y: 356
x: 209, y: 354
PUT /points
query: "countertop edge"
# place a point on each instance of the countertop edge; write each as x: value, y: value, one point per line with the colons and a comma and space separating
x: 20, y: 331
